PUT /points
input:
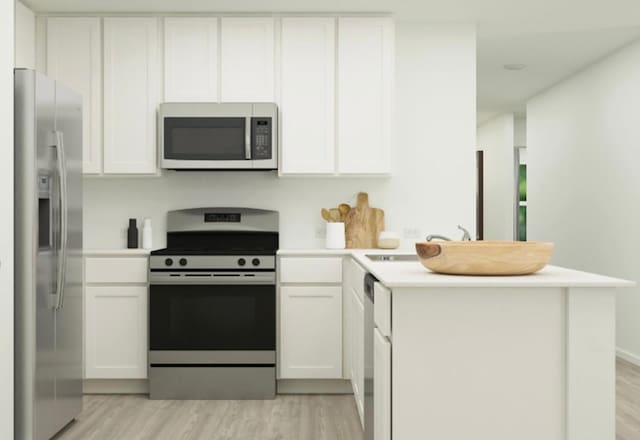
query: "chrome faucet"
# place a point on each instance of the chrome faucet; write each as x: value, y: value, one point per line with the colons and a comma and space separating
x: 465, y: 236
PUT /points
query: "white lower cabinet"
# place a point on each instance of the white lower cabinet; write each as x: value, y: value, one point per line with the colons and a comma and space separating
x: 311, y: 332
x: 116, y: 333
x: 382, y: 386
x: 116, y: 304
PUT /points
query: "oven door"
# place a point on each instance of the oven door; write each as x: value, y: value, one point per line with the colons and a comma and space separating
x: 212, y: 323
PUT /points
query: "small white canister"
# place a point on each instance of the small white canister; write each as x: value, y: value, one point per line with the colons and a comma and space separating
x: 335, y: 235
x: 388, y: 240
x: 147, y: 234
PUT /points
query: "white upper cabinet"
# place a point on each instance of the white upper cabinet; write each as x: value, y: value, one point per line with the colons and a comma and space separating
x: 74, y: 57
x: 247, y: 59
x: 191, y: 59
x: 365, y: 87
x: 307, y: 95
x: 131, y: 94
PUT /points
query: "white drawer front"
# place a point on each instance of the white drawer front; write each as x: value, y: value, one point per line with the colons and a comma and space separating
x: 311, y: 270
x: 382, y: 309
x: 108, y: 270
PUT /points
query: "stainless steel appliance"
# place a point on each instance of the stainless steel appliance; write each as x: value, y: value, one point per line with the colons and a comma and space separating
x: 48, y: 256
x: 369, y: 328
x: 212, y: 306
x: 211, y: 136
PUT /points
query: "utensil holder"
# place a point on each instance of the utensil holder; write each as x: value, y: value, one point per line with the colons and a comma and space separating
x: 335, y: 235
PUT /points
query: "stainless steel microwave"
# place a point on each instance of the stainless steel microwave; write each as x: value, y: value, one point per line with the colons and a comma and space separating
x: 212, y: 136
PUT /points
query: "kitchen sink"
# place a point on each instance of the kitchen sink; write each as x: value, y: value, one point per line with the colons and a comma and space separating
x: 392, y: 257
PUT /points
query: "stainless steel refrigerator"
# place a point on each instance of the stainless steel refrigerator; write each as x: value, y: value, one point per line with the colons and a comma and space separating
x: 48, y: 255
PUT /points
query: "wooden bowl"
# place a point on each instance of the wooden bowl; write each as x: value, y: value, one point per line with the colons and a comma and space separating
x: 484, y: 257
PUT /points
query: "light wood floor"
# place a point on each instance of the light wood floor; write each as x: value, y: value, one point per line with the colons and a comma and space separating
x: 628, y: 401
x: 131, y: 417
x: 289, y: 417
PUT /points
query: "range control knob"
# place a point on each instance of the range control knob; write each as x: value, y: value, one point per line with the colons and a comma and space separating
x: 183, y: 261
x: 255, y: 262
x: 242, y: 262
x: 168, y: 262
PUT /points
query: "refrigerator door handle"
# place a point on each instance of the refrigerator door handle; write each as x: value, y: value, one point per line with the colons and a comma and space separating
x: 62, y: 174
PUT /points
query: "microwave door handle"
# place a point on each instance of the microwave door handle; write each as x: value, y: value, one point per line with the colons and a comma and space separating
x: 247, y: 139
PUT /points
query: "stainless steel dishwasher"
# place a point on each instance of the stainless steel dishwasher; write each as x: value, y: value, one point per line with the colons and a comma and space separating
x: 369, y: 327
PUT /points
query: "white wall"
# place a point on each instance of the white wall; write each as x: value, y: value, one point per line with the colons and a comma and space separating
x: 6, y: 219
x: 25, y: 40
x: 583, y: 142
x: 432, y: 189
x: 496, y: 138
x: 520, y: 131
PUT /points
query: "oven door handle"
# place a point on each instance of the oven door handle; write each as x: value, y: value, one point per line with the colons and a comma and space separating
x: 212, y: 278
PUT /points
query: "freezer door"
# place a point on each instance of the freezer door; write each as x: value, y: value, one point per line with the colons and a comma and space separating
x: 69, y: 303
x: 36, y: 256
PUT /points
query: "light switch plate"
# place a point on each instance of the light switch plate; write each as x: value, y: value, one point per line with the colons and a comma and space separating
x: 411, y: 233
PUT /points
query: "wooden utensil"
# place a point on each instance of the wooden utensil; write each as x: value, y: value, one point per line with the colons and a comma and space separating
x: 326, y: 215
x: 344, y: 210
x: 335, y: 215
x: 484, y: 257
x: 363, y: 224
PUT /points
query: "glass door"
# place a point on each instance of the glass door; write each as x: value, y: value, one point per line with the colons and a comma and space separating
x: 212, y: 317
x: 205, y: 138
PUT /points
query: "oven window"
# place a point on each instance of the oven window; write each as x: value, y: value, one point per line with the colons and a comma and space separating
x: 204, y: 138
x: 212, y: 317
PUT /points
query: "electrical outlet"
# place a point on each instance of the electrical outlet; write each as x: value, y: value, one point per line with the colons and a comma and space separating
x: 411, y: 233
x: 321, y: 231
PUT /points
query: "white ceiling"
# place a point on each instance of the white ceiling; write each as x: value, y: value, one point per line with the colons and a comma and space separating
x: 550, y: 57
x: 555, y: 38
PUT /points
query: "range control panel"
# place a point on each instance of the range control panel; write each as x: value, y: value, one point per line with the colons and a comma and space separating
x: 261, y: 135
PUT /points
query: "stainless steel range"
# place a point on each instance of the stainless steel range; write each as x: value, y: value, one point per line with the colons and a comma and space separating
x: 212, y: 306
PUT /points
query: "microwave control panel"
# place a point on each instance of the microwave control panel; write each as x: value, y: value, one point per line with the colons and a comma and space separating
x: 261, y: 135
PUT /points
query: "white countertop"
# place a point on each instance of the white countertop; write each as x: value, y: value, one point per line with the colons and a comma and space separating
x: 116, y: 252
x: 407, y: 274
x: 413, y: 274
x: 328, y: 252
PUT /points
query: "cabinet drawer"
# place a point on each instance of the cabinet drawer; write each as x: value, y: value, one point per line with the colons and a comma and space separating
x: 382, y: 309
x: 311, y: 270
x: 107, y: 270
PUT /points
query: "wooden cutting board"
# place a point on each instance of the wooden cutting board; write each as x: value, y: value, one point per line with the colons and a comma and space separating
x: 363, y: 225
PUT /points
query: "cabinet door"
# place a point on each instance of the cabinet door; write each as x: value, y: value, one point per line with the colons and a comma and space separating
x: 131, y: 94
x: 74, y: 57
x: 382, y: 386
x: 365, y: 85
x: 116, y: 332
x: 310, y: 332
x: 190, y: 59
x: 247, y: 59
x: 307, y: 95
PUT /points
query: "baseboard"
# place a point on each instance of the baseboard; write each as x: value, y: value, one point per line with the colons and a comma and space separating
x: 314, y: 386
x: 284, y: 386
x: 115, y: 386
x: 628, y: 356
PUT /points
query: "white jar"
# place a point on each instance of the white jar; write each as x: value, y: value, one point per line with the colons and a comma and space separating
x: 335, y: 235
x: 147, y: 234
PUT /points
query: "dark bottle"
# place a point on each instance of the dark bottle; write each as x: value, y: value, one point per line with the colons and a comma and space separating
x: 132, y: 234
